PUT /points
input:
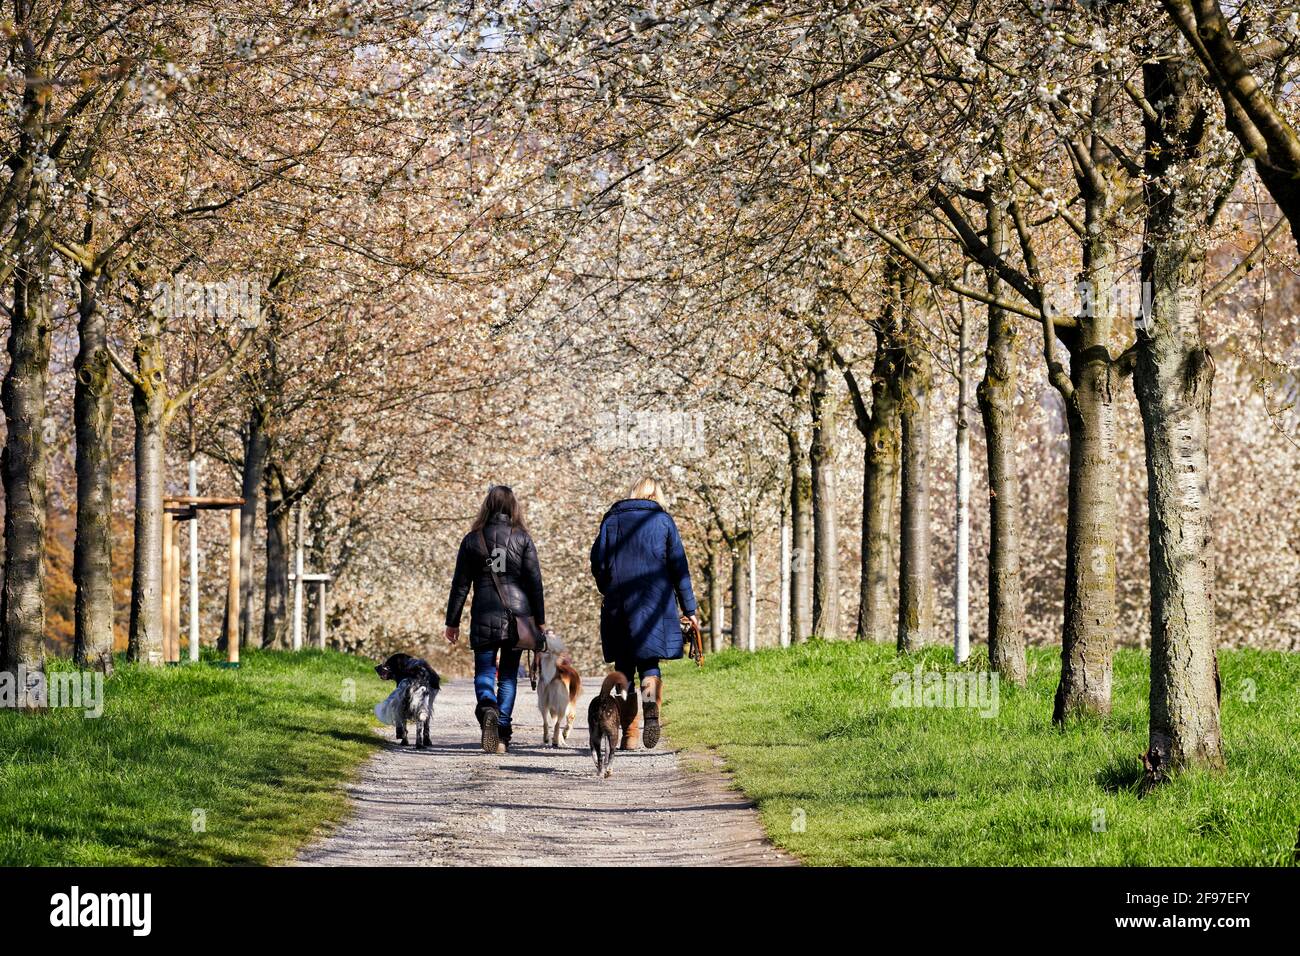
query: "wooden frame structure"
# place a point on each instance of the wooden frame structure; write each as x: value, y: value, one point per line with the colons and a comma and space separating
x: 180, y: 508
x: 321, y: 581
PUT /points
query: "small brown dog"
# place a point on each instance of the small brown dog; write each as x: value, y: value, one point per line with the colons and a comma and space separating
x: 604, y: 722
x: 558, y: 687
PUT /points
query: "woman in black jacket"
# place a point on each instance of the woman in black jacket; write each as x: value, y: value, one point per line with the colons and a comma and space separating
x: 497, y: 540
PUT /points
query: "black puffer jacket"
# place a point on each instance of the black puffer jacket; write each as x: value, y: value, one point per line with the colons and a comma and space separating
x: 521, y: 580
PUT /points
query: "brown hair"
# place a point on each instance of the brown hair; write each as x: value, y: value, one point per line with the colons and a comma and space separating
x: 500, y: 500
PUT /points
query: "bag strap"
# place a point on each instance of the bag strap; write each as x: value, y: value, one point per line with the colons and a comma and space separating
x: 496, y: 581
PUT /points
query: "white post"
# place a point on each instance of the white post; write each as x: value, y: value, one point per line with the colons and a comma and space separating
x: 297, y: 588
x: 194, y: 566
x: 961, y: 584
x: 784, y: 629
x: 320, y: 615
x: 753, y: 595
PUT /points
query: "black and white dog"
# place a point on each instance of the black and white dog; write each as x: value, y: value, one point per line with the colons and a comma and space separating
x: 417, y: 687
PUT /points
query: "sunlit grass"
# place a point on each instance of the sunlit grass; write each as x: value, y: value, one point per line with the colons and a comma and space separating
x: 261, y: 751
x: 810, y: 735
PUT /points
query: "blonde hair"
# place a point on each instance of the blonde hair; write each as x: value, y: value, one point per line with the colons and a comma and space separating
x: 647, y: 488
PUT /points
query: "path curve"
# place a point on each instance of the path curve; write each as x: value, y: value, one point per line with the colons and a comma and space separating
x: 453, y: 805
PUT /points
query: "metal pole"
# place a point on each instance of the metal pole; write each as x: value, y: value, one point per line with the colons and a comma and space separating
x: 297, y: 588
x: 194, y: 566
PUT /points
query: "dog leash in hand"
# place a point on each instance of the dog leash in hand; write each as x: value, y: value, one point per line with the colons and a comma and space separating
x: 694, y: 639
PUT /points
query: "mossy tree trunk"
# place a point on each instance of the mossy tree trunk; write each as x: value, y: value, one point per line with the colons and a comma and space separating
x: 23, y: 464
x: 915, y: 565
x: 1089, y: 394
x: 821, y: 456
x: 1173, y: 381
x: 1088, y: 632
x: 149, y: 408
x: 741, y: 543
x: 256, y: 450
x: 717, y: 598
x: 801, y: 537
x: 996, y: 395
x: 878, y: 422
x: 275, y: 616
x: 1088, y: 628
x: 92, y: 563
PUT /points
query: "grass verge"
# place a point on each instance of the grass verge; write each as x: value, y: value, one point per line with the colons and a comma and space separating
x: 188, y: 765
x: 841, y: 777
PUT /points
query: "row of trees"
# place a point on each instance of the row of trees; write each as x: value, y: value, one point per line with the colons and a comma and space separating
x: 554, y: 245
x: 837, y: 184
x: 206, y: 210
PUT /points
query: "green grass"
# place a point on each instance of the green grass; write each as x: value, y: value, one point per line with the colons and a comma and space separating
x: 810, y: 736
x: 262, y: 751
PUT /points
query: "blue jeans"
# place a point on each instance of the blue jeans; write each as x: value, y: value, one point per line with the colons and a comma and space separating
x: 495, y: 685
x: 648, y: 666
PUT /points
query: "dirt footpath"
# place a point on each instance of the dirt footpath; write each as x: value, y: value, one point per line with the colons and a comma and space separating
x: 453, y: 805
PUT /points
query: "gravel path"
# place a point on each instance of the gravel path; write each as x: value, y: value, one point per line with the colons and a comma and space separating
x: 453, y: 805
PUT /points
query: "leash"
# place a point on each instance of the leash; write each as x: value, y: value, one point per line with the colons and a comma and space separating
x: 694, y: 640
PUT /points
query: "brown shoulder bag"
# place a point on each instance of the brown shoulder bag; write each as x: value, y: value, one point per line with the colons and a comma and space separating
x: 525, y: 634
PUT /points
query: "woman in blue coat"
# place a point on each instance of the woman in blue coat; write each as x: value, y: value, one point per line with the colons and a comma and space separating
x: 640, y: 568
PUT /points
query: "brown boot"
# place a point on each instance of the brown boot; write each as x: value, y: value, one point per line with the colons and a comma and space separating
x: 652, y: 692
x: 630, y: 722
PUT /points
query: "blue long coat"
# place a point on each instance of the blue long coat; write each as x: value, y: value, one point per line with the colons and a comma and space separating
x: 640, y: 568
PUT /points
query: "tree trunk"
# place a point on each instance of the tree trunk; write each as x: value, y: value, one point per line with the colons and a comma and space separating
x: 23, y: 462
x: 1089, y: 626
x: 92, y: 563
x: 801, y: 539
x: 148, y: 405
x: 1173, y: 380
x: 997, y: 400
x: 753, y: 597
x: 881, y: 446
x: 1087, y: 635
x: 717, y: 608
x: 317, y: 562
x: 275, y: 620
x: 740, y: 622
x: 256, y: 449
x: 826, y: 572
x: 915, y: 571
x: 783, y: 562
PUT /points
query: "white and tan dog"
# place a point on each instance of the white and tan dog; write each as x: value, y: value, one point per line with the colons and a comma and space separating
x: 558, y: 687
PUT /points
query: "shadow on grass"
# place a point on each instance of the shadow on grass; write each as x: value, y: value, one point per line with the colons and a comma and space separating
x: 1121, y: 776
